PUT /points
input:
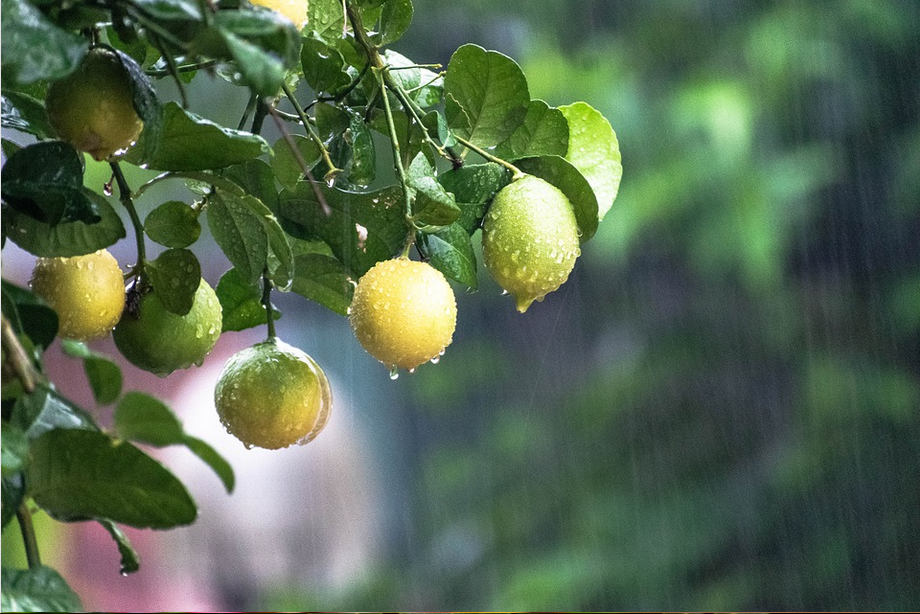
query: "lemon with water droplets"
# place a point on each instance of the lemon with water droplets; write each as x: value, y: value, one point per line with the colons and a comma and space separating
x: 295, y: 10
x: 93, y: 107
x: 403, y: 312
x: 272, y: 395
x: 87, y: 292
x: 530, y: 239
x: 160, y: 341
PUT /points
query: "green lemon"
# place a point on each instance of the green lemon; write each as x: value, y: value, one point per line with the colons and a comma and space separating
x: 530, y: 239
x: 160, y: 341
x: 87, y: 292
x: 93, y: 107
x: 403, y: 313
x: 272, y: 395
x: 295, y: 10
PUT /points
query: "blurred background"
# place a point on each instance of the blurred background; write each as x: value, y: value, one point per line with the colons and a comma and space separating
x: 719, y: 411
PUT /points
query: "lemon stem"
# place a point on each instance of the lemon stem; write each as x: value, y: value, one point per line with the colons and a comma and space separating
x: 333, y: 170
x: 124, y: 195
x: 28, y: 536
x: 17, y: 358
x: 397, y: 158
x: 518, y: 173
x: 267, y: 303
x: 250, y: 106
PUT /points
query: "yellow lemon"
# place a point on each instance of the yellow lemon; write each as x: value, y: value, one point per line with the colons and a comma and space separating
x: 295, y: 10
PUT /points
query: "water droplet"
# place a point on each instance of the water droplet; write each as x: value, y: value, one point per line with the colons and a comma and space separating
x: 435, y: 360
x: 412, y: 370
x: 330, y: 181
x: 124, y: 574
x: 394, y: 373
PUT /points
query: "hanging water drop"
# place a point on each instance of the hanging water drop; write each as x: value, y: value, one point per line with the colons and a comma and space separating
x: 394, y: 373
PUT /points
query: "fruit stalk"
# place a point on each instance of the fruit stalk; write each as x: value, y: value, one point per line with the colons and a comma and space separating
x: 124, y: 195
x: 518, y: 173
x: 28, y: 536
x: 267, y: 303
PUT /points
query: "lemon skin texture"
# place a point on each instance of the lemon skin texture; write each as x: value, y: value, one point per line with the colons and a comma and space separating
x: 403, y: 312
x: 87, y: 292
x: 272, y: 395
x: 295, y: 10
x: 530, y: 239
x: 93, y: 108
x: 159, y: 341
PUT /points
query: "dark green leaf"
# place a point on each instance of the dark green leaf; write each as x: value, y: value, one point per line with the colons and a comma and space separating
x: 560, y: 173
x: 40, y: 589
x: 33, y: 48
x: 486, y: 95
x: 361, y: 228
x: 171, y: 10
x: 130, y: 561
x: 256, y: 179
x: 331, y: 121
x: 173, y: 224
x: 26, y: 114
x: 193, y: 178
x: 176, y: 275
x: 29, y: 314
x: 285, y: 165
x: 423, y: 85
x: 451, y: 252
x: 12, y: 492
x: 214, y: 460
x: 362, y: 170
x: 144, y: 98
x: 45, y: 181
x: 44, y: 410
x: 141, y: 417
x: 104, y: 375
x: 544, y: 131
x: 394, y: 21
x: 594, y: 150
x: 239, y: 232
x: 473, y: 186
x: 77, y: 475
x: 326, y: 19
x: 14, y: 447
x: 263, y: 72
x: 434, y: 206
x: 240, y: 302
x: 324, y: 68
x: 188, y: 142
x: 325, y: 280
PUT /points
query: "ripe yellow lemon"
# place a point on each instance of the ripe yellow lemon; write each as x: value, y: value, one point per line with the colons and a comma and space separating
x: 530, y: 239
x: 403, y: 312
x: 87, y: 292
x: 160, y: 341
x: 93, y: 108
x: 295, y: 10
x: 272, y: 395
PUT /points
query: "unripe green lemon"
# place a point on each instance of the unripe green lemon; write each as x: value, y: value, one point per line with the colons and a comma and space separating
x: 272, y: 395
x: 87, y: 292
x: 403, y: 312
x: 530, y: 239
x: 160, y: 341
x: 93, y: 108
x: 295, y: 10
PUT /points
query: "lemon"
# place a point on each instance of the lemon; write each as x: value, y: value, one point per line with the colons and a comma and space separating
x: 87, y: 292
x: 530, y: 239
x: 403, y: 313
x: 160, y: 341
x: 93, y: 107
x: 295, y: 10
x: 272, y: 395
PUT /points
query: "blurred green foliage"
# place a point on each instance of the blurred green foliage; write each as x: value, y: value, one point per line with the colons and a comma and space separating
x: 721, y: 409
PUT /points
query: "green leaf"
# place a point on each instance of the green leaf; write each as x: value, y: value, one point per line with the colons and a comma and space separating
x: 361, y: 227
x: 394, y: 21
x: 326, y: 19
x: 331, y: 121
x: 324, y: 68
x: 594, y: 150
x: 325, y: 280
x: 173, y: 224
x: 130, y: 561
x: 285, y: 166
x: 29, y: 314
x: 104, y: 375
x: 141, y: 417
x: 144, y: 98
x: 44, y: 410
x: 423, y: 85
x: 67, y: 238
x: 194, y: 178
x: 363, y: 166
x: 451, y: 252
x: 34, y: 49
x: 171, y: 10
x: 256, y: 179
x: 433, y: 206
x: 39, y: 589
x: 12, y: 492
x: 473, y: 186
x: 45, y: 181
x: 240, y: 302
x: 176, y: 275
x: 14, y: 449
x: 560, y: 173
x: 239, y: 233
x: 544, y: 131
x: 188, y: 142
x: 261, y: 71
x: 26, y: 114
x: 77, y: 475
x: 486, y: 95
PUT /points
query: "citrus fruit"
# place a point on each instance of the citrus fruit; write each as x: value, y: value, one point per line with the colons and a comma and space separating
x: 530, y: 239
x: 295, y: 10
x: 87, y: 292
x: 160, y: 341
x: 403, y: 312
x: 93, y: 108
x: 272, y: 395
